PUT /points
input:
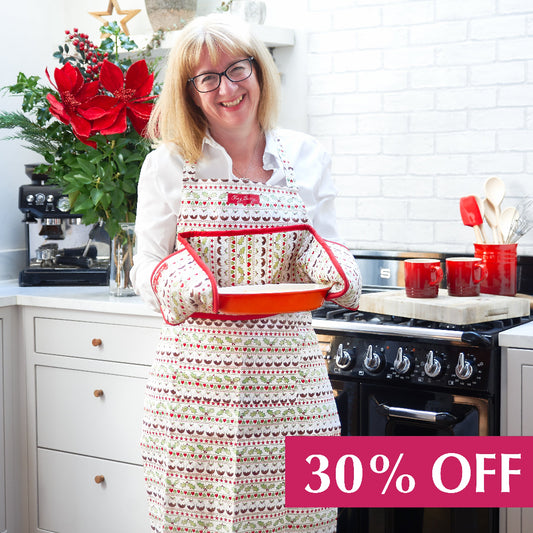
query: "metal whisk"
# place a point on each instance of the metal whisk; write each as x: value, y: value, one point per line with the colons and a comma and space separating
x: 522, y: 223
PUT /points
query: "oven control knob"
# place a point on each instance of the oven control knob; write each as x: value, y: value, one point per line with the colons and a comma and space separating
x: 402, y: 363
x: 343, y: 359
x: 372, y: 362
x: 464, y: 368
x: 433, y: 366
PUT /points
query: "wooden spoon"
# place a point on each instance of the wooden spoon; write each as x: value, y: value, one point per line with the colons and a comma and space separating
x: 492, y: 220
x: 482, y: 213
x: 495, y: 192
x: 507, y: 218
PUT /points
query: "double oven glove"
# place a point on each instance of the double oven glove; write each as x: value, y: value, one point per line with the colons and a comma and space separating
x: 183, y: 286
x: 327, y: 262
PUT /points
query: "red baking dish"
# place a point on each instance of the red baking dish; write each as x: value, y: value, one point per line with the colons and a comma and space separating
x: 271, y: 299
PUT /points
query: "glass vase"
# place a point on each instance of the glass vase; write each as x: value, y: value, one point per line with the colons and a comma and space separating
x: 122, y: 251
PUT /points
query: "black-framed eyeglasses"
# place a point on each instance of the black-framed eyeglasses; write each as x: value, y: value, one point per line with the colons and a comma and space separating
x: 210, y: 81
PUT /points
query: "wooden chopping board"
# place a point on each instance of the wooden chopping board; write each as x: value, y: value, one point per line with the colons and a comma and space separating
x: 449, y: 309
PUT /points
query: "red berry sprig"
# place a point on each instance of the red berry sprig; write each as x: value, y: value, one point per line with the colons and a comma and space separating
x: 88, y: 58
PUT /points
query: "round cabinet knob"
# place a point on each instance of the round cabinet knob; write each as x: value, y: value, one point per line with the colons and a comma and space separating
x: 96, y: 342
x: 402, y: 363
x: 98, y: 393
x: 99, y: 479
x: 464, y: 368
x: 343, y: 358
x: 433, y: 366
x: 372, y: 362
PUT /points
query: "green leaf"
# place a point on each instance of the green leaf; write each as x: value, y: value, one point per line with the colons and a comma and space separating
x: 117, y: 197
x: 120, y: 163
x: 96, y: 195
x: 86, y: 166
x: 105, y: 200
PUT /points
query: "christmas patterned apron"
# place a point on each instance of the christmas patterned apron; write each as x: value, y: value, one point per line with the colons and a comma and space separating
x: 225, y: 391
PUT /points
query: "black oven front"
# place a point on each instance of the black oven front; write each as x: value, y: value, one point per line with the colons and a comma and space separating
x: 444, y: 383
x: 395, y: 411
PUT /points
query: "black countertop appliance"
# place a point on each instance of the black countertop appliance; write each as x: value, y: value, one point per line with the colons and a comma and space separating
x: 61, y: 249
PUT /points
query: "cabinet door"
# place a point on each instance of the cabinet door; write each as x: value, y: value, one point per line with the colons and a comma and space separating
x: 519, y: 405
x: 70, y: 500
x: 519, y: 411
x: 3, y: 523
x: 70, y: 417
x: 527, y: 398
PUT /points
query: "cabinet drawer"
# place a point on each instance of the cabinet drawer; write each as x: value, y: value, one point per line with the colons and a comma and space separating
x: 70, y: 499
x: 95, y: 340
x: 71, y: 418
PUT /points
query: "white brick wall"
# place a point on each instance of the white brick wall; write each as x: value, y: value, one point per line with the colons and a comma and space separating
x: 420, y: 101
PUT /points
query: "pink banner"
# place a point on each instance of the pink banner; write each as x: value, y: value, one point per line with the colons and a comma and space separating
x: 409, y: 471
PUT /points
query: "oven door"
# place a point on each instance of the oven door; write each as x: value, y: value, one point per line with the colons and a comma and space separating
x: 408, y: 412
x: 405, y: 411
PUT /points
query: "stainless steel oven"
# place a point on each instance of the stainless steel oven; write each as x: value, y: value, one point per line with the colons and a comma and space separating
x: 395, y: 376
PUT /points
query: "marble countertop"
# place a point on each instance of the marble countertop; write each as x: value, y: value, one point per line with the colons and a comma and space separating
x: 72, y: 297
x: 519, y: 337
x: 98, y: 299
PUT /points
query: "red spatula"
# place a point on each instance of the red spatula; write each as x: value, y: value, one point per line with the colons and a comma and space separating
x: 472, y: 216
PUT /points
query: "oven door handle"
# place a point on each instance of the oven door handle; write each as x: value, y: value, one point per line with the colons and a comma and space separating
x: 434, y: 417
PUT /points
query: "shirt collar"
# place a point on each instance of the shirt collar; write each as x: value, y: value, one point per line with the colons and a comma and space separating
x: 271, y: 158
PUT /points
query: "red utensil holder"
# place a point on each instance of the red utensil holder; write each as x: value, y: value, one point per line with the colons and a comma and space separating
x: 500, y: 260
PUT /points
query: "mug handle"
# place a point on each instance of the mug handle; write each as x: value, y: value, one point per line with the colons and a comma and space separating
x: 480, y: 272
x: 436, y: 271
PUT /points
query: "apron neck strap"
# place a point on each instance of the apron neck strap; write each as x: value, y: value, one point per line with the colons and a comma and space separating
x: 287, y: 166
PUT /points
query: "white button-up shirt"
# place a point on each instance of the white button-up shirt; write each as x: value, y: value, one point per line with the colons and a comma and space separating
x: 160, y: 189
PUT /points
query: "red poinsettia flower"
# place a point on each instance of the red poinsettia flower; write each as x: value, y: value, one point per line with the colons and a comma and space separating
x: 75, y: 95
x: 130, y: 95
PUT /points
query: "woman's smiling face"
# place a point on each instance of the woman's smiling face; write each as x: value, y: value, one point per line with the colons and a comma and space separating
x: 234, y: 104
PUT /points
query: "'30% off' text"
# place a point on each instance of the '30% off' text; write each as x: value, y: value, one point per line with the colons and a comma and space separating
x: 409, y: 471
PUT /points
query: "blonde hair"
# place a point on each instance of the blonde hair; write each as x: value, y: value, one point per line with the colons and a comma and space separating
x: 176, y: 118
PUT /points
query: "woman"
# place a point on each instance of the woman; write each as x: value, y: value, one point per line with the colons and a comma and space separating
x: 228, y: 200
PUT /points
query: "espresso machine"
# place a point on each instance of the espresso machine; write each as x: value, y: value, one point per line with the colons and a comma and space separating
x: 61, y: 249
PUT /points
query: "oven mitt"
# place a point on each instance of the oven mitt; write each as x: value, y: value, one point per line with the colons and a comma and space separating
x: 327, y: 262
x: 183, y: 286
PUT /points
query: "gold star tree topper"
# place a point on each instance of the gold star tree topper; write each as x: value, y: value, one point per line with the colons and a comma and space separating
x: 113, y: 4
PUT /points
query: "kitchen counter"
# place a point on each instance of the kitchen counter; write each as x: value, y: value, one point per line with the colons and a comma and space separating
x: 519, y: 337
x: 76, y: 298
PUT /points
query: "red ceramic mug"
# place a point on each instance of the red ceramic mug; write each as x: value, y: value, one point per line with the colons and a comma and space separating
x: 422, y: 277
x: 464, y: 275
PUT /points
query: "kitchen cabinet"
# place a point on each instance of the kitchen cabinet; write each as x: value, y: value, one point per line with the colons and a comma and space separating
x: 86, y: 373
x: 13, y: 487
x: 517, y: 406
x: 3, y: 520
